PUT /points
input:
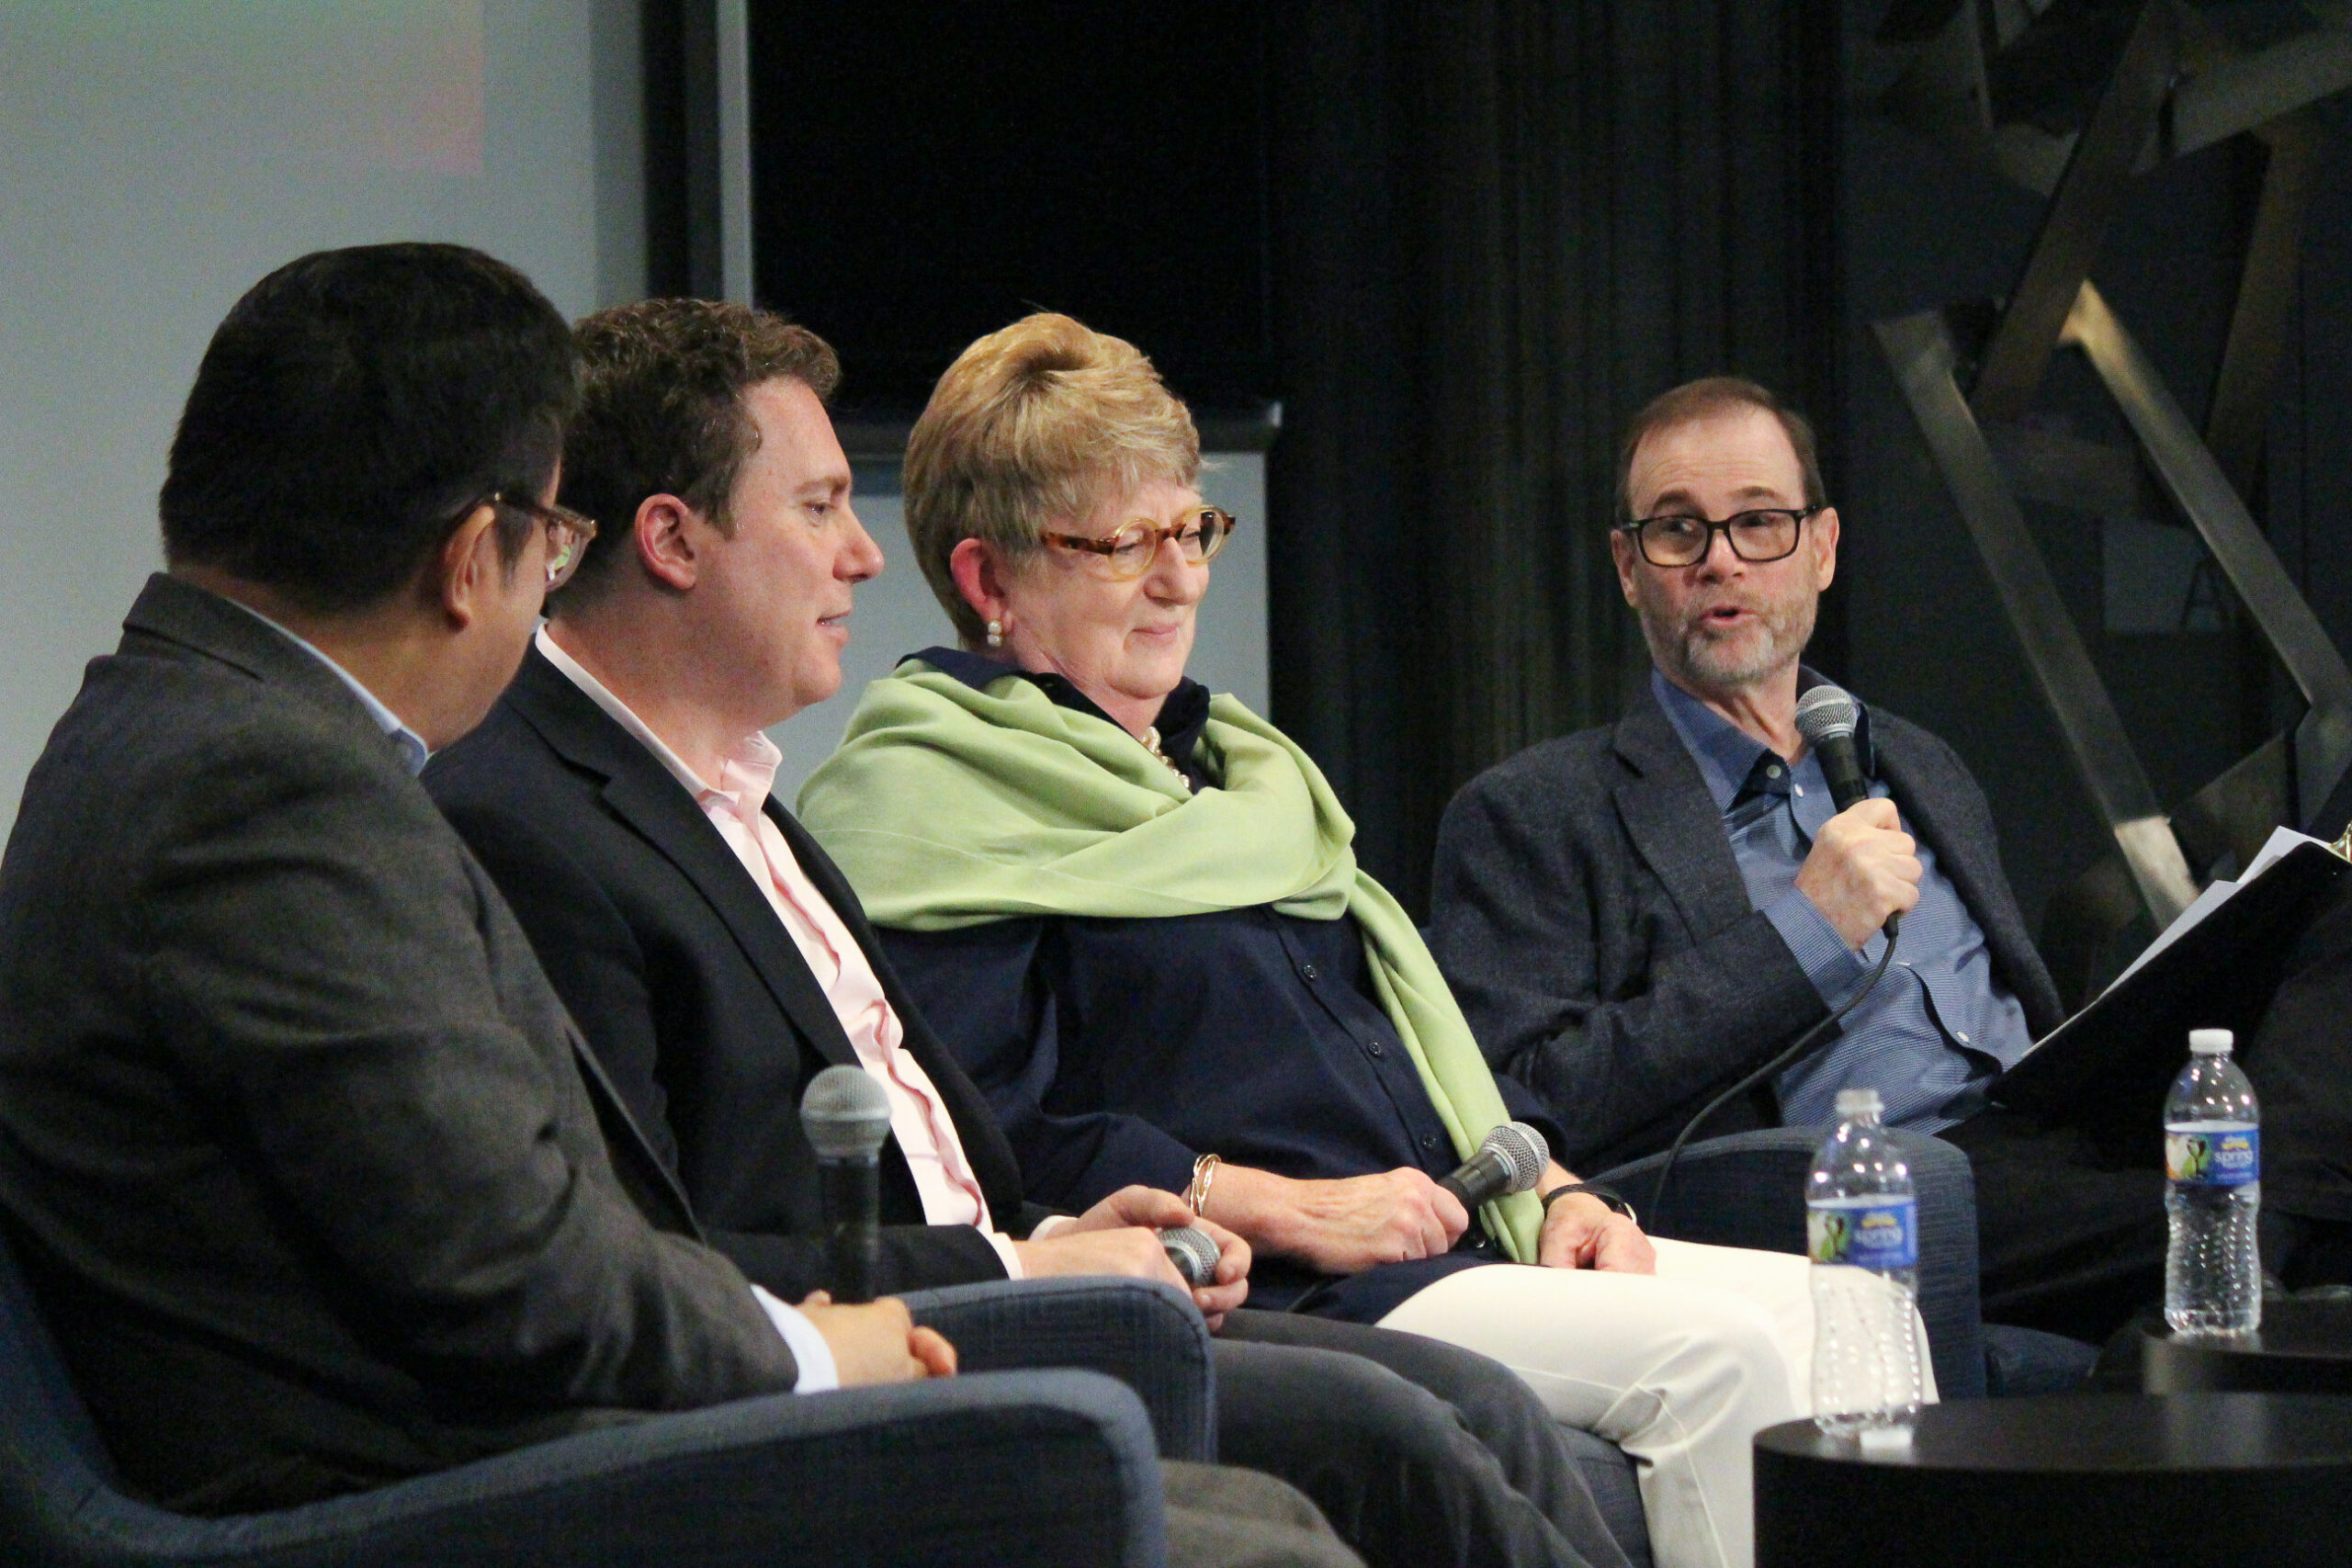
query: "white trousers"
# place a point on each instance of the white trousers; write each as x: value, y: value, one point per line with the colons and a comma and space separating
x: 1681, y: 1370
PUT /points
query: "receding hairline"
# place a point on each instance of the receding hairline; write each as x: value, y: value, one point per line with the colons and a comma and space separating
x: 1726, y: 410
x: 1710, y: 397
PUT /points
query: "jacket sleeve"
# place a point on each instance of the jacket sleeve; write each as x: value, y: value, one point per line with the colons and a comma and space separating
x: 323, y: 962
x: 987, y: 994
x: 1595, y: 997
x: 597, y: 963
x: 913, y: 1257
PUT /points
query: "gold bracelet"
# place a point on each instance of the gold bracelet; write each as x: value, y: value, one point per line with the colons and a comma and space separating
x: 1196, y: 1196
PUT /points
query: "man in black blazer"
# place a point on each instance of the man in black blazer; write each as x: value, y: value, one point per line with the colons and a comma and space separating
x: 1637, y: 916
x: 309, y: 1170
x: 715, y: 956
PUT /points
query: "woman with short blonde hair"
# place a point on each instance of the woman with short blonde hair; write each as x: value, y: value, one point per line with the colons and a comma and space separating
x: 1041, y: 421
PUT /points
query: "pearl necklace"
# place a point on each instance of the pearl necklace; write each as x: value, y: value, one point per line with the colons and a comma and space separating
x: 1151, y: 744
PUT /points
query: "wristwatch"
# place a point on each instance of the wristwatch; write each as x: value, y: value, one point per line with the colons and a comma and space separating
x: 1608, y: 1195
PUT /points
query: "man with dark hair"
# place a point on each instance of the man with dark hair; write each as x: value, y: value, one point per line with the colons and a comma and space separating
x: 293, y: 1137
x: 1637, y: 916
x: 716, y: 958
x: 269, y: 467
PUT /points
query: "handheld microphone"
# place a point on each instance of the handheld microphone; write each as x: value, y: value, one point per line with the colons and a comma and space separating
x: 1511, y: 1159
x: 847, y: 1115
x: 1826, y: 718
x: 1192, y: 1254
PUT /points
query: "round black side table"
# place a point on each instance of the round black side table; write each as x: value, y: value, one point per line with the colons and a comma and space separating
x: 2305, y: 1346
x: 2076, y: 1481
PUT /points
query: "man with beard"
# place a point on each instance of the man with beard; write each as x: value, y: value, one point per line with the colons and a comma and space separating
x: 1637, y: 916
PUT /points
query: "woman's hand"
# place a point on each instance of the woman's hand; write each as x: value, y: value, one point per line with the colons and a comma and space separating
x: 1344, y: 1226
x: 1582, y: 1232
x: 1118, y: 1235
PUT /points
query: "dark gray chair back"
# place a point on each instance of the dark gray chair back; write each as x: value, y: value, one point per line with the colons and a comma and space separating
x: 728, y: 1486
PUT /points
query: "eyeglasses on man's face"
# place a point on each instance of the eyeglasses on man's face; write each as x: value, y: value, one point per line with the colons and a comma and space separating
x: 1128, y: 553
x: 1765, y: 534
x: 568, y: 534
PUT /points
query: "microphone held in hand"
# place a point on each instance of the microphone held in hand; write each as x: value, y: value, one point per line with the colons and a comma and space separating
x: 1511, y: 1159
x: 847, y: 1115
x: 1192, y: 1253
x: 1826, y: 718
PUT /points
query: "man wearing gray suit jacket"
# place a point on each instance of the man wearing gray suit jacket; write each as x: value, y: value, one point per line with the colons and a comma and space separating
x: 307, y: 1164
x: 1637, y: 916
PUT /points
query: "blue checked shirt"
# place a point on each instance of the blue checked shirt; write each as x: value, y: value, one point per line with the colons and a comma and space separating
x: 1938, y: 1027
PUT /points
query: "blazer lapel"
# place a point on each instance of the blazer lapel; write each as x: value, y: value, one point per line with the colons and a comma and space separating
x: 986, y: 1148
x: 1973, y: 862
x: 1923, y: 809
x: 1661, y: 796
x: 675, y: 825
x: 650, y: 1183
x: 196, y: 618
x: 643, y: 795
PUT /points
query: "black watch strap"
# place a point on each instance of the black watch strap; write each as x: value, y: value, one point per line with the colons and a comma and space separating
x: 1608, y: 1195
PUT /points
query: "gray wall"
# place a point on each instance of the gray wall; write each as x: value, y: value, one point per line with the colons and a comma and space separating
x: 158, y: 156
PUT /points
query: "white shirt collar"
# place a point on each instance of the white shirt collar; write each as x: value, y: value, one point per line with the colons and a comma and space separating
x: 754, y: 753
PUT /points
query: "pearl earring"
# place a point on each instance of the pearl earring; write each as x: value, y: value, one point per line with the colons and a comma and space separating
x: 996, y: 634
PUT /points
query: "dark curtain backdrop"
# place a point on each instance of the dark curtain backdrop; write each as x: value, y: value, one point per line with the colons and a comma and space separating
x: 1499, y: 226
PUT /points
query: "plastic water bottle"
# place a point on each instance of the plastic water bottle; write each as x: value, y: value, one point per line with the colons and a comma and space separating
x: 2213, y: 1164
x: 1862, y: 1231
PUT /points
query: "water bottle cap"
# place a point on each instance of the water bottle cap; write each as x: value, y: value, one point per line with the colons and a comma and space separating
x: 1859, y: 1102
x: 2211, y: 1042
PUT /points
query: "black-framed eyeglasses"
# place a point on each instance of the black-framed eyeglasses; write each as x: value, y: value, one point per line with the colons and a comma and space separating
x: 1764, y: 534
x: 1128, y: 553
x: 568, y: 534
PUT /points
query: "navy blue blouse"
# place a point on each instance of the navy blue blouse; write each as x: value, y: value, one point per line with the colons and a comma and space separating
x: 1115, y: 1051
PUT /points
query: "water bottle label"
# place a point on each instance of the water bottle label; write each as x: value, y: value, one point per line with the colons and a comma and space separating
x: 2229, y: 1156
x: 1870, y: 1233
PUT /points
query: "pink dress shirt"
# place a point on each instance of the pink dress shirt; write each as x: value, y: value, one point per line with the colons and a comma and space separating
x: 735, y: 806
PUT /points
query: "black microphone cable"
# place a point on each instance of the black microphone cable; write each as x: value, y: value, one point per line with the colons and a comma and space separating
x: 1802, y: 1043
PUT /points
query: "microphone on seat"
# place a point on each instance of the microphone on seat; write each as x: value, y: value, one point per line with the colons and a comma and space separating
x: 1826, y: 718
x: 847, y: 1115
x: 1511, y: 1159
x: 1192, y: 1253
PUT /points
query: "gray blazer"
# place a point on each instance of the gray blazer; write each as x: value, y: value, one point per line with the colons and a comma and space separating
x: 312, y: 1176
x: 1591, y: 919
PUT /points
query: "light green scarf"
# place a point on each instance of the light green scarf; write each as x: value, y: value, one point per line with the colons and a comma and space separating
x: 948, y: 806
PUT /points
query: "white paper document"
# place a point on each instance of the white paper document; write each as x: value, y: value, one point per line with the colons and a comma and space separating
x: 2281, y: 840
